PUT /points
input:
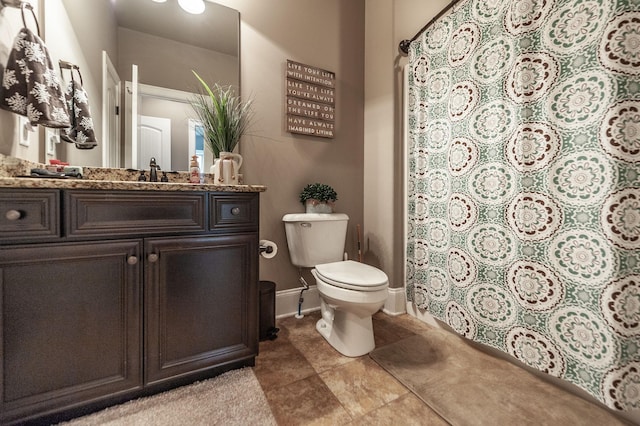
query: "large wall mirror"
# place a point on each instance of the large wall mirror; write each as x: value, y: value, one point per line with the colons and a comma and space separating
x: 108, y: 39
x: 165, y: 50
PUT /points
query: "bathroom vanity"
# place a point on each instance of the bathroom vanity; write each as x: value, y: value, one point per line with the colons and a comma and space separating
x: 112, y: 291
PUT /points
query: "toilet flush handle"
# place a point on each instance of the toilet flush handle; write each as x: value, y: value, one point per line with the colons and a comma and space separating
x: 305, y: 224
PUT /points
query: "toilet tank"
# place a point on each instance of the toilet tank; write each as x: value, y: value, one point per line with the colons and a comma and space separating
x: 315, y: 238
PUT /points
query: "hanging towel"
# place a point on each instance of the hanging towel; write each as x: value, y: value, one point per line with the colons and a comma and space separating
x: 30, y: 86
x: 81, y: 130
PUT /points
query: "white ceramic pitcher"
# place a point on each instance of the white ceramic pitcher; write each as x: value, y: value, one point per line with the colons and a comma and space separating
x: 225, y: 169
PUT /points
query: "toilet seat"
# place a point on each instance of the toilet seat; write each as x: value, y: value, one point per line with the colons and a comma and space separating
x: 352, y: 275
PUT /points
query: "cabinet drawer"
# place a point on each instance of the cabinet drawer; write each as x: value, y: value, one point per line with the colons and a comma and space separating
x: 234, y: 211
x: 28, y: 215
x: 96, y: 213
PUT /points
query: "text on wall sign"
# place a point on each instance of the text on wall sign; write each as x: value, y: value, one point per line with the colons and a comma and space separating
x: 310, y: 100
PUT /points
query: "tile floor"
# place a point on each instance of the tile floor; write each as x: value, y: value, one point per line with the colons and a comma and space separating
x: 307, y: 382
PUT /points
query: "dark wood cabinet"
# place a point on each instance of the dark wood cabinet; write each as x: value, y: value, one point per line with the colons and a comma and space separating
x: 127, y: 302
x: 71, y: 324
x: 96, y: 214
x: 199, y: 309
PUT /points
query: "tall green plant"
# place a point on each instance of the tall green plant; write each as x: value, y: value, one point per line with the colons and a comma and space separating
x: 223, y: 114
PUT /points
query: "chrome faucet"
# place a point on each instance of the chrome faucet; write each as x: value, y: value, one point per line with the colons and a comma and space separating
x: 153, y: 170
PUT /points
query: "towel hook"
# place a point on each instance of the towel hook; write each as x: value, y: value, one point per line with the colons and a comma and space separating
x: 69, y: 66
x: 27, y: 5
x: 14, y: 3
x: 22, y: 5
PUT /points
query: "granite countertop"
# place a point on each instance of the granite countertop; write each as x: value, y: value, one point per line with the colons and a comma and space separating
x: 113, y: 185
x: 14, y: 173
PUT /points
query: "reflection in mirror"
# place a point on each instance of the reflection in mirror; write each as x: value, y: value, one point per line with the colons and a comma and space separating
x: 166, y: 44
x: 17, y: 139
x: 165, y: 52
x: 167, y: 129
x: 111, y: 100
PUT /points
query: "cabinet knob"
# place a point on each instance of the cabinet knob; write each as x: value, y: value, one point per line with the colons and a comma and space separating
x: 13, y: 214
x: 235, y: 211
x: 132, y: 260
x: 152, y: 258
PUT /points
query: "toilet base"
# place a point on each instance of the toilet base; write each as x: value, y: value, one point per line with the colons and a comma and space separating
x: 348, y: 333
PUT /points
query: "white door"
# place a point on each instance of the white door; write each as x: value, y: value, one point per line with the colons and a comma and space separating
x: 111, y: 149
x: 154, y: 140
x: 131, y: 120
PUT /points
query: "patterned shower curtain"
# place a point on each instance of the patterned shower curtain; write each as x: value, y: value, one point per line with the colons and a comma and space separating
x: 524, y: 184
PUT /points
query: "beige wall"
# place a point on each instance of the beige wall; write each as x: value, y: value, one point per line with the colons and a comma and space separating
x: 387, y: 23
x: 328, y: 34
x: 168, y: 63
x: 358, y: 40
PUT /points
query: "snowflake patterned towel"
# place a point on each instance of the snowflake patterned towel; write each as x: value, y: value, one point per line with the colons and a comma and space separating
x: 81, y: 131
x: 30, y: 86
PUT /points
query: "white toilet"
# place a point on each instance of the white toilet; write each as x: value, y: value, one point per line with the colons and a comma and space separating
x: 350, y: 292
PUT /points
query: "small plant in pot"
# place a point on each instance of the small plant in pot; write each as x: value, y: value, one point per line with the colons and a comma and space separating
x: 318, y: 198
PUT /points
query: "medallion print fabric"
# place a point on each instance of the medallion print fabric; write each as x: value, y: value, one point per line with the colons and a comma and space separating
x: 524, y: 185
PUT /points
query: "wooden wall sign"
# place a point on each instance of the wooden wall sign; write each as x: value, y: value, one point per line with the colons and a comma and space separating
x: 310, y: 100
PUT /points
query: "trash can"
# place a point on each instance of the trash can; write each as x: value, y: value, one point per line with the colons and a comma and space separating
x: 267, y: 311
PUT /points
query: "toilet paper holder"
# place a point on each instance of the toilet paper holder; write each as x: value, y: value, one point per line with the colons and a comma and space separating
x: 266, y: 249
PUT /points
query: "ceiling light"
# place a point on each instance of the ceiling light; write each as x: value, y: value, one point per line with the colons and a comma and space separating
x: 159, y: 1
x: 192, y: 6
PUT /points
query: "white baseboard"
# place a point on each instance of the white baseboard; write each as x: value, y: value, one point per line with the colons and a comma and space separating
x: 287, y: 302
x: 396, y: 302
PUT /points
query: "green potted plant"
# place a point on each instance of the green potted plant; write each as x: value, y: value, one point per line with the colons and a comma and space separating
x: 225, y: 117
x: 318, y: 198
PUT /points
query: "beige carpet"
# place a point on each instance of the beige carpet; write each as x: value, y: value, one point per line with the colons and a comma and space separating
x: 233, y: 398
x: 468, y: 387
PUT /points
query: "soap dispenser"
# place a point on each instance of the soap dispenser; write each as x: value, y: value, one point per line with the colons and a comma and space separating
x: 194, y: 170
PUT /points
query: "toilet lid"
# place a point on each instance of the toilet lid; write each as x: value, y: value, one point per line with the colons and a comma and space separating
x: 353, y: 275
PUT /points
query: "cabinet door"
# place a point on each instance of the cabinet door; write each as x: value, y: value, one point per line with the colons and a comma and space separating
x: 71, y: 325
x: 200, y: 304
